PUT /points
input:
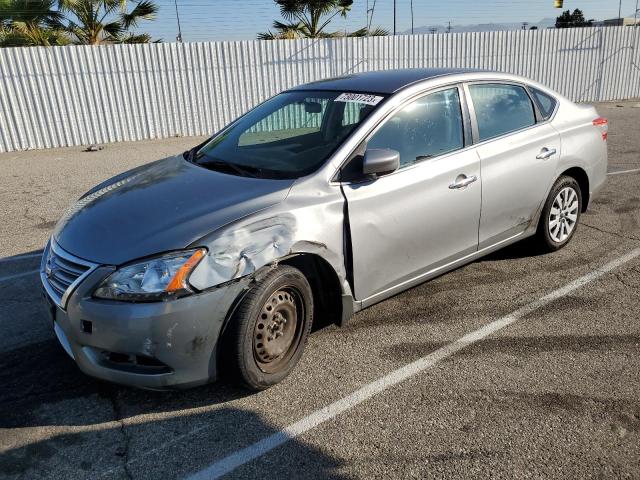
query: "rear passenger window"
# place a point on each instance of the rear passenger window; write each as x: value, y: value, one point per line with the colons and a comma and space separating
x: 546, y: 103
x: 501, y: 109
x: 425, y: 128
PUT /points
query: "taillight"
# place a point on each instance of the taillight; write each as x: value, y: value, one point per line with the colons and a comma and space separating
x: 603, y: 124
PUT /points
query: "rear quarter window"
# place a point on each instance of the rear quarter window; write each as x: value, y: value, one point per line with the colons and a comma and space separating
x: 546, y: 103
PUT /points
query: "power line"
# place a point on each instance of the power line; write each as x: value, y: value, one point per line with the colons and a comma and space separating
x: 373, y: 10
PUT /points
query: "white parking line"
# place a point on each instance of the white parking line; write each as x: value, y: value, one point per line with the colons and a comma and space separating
x: 18, y: 275
x: 624, y: 171
x: 20, y: 257
x: 261, y: 447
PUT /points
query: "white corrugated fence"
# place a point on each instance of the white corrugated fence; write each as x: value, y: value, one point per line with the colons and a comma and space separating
x: 78, y: 95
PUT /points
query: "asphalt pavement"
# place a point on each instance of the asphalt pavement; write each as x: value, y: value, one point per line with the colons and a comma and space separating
x: 545, y: 382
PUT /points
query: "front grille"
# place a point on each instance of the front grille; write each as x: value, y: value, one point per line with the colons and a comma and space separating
x: 61, y: 273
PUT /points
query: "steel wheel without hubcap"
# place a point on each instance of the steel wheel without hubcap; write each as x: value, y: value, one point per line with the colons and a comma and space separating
x: 277, y: 332
x: 563, y: 215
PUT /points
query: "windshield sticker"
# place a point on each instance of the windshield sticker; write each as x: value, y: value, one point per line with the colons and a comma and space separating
x: 359, y: 98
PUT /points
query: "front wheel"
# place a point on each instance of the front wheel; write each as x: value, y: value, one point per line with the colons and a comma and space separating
x: 560, y: 216
x: 268, y: 332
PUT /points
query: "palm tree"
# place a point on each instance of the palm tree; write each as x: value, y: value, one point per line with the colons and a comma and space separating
x: 369, y: 32
x: 283, y: 31
x: 30, y: 23
x: 95, y: 22
x: 307, y: 18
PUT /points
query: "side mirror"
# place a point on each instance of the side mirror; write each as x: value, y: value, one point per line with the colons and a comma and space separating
x: 380, y: 160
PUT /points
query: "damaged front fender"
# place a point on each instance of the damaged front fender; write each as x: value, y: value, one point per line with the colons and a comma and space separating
x: 242, y: 250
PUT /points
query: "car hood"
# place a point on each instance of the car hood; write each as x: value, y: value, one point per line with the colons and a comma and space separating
x: 166, y: 205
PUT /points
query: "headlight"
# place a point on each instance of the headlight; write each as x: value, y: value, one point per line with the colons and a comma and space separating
x: 155, y: 279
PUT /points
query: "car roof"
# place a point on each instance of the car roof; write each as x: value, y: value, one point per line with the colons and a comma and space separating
x: 383, y: 81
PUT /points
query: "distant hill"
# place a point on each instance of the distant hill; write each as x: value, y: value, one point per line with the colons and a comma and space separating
x: 482, y: 27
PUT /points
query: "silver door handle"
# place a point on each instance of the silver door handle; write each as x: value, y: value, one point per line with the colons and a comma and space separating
x: 546, y: 153
x: 463, y: 181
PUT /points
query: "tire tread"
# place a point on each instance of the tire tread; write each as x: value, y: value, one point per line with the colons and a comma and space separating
x: 234, y: 347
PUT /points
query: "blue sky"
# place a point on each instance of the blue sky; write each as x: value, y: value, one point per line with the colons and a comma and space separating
x: 209, y: 20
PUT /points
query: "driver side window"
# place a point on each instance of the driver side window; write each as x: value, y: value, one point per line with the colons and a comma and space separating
x: 425, y: 128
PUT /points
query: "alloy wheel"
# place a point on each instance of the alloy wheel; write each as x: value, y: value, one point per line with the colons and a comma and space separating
x: 563, y: 215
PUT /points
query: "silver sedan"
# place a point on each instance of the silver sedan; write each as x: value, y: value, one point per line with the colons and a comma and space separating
x: 321, y: 201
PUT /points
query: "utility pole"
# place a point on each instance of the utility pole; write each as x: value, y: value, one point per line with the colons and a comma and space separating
x: 411, y: 17
x: 179, y: 37
x: 449, y: 27
x: 524, y: 25
x: 433, y: 30
x: 620, y: 13
x: 394, y: 17
x: 366, y: 24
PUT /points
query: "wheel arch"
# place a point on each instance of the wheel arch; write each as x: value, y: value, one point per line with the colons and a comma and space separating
x: 325, y: 285
x: 580, y: 175
x: 331, y: 303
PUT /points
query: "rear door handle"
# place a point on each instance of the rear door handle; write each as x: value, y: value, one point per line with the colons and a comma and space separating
x: 463, y: 181
x: 546, y: 153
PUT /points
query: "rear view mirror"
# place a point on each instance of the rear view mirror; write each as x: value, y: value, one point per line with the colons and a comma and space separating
x: 380, y: 160
x: 312, y: 107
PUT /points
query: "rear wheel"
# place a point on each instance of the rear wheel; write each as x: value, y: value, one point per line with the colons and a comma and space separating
x: 560, y: 216
x: 267, y: 333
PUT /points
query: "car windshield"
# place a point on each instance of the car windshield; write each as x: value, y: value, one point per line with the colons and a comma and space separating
x: 288, y: 136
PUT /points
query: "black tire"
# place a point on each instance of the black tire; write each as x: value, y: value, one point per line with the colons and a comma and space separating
x: 262, y: 325
x: 544, y: 238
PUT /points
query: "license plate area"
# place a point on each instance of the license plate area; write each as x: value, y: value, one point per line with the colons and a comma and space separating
x: 50, y: 306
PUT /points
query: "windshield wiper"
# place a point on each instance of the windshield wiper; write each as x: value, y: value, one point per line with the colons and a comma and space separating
x: 242, y: 170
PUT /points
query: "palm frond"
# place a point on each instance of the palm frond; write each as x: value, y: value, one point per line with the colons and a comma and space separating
x: 269, y: 35
x: 344, y: 6
x: 283, y: 27
x: 313, y: 15
x: 13, y: 39
x: 361, y: 32
x: 131, y: 38
x: 373, y: 32
x: 144, y: 10
x: 107, y: 21
x: 114, y: 29
x: 283, y: 31
x: 290, y: 9
x: 31, y: 22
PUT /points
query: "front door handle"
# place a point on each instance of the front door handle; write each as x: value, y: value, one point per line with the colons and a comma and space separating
x: 546, y: 153
x: 463, y: 181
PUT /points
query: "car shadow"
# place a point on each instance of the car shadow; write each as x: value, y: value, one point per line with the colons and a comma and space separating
x: 40, y: 374
x: 21, y: 256
x: 522, y: 249
x: 56, y: 422
x: 16, y: 266
x: 166, y: 448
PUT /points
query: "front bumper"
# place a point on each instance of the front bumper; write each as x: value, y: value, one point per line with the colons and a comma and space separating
x: 148, y: 345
